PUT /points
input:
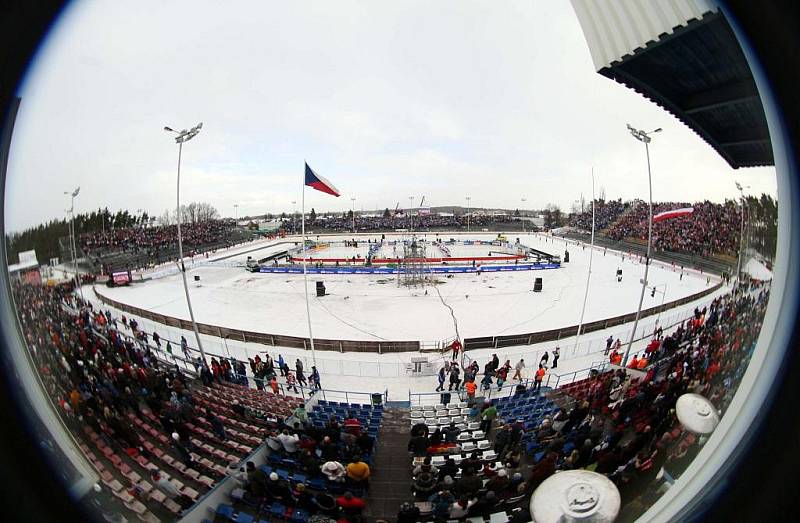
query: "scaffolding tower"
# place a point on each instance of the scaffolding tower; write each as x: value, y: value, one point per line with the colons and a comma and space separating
x: 412, y: 267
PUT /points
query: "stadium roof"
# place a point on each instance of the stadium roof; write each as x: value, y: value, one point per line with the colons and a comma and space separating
x: 683, y: 56
x: 23, y: 266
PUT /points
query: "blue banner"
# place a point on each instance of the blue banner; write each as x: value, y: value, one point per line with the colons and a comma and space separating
x: 439, y: 269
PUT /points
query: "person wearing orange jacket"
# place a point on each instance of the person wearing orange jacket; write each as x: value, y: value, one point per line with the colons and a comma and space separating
x: 471, y: 388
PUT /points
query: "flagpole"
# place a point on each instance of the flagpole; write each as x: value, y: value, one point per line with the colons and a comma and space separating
x: 588, y: 274
x: 305, y: 274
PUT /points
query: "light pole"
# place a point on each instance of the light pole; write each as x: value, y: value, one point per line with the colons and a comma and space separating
x: 353, y: 213
x: 643, y: 137
x: 468, y: 199
x: 180, y: 138
x: 236, y: 213
x: 411, y: 213
x: 588, y: 275
x: 741, y: 238
x: 72, y: 242
x: 521, y: 216
x: 294, y: 216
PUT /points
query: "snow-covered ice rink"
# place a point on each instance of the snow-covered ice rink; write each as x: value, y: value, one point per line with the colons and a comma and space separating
x: 374, y: 307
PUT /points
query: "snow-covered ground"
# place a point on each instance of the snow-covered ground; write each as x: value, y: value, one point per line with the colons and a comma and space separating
x: 370, y: 372
x: 364, y: 307
x: 374, y: 307
x: 757, y: 270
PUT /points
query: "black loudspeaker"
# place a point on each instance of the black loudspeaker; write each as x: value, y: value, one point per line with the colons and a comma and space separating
x: 537, y: 285
x: 196, y: 277
x: 320, y: 288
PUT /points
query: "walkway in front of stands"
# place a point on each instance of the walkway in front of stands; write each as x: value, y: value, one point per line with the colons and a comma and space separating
x: 391, y: 483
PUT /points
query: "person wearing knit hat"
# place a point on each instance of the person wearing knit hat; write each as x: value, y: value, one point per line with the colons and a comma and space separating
x: 273, y: 476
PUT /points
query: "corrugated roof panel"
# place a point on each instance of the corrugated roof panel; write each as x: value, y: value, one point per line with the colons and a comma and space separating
x: 614, y: 29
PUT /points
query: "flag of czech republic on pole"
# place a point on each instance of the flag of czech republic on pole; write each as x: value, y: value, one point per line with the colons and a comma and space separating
x: 319, y: 183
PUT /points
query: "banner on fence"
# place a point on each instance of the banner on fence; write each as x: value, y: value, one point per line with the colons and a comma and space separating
x: 393, y: 270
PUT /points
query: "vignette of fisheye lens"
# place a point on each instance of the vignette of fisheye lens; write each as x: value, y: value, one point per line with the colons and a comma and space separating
x: 391, y: 236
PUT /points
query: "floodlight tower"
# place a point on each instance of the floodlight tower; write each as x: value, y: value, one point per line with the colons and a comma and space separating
x: 180, y: 138
x: 353, y: 213
x: 468, y: 199
x: 741, y: 238
x: 645, y: 138
x: 73, y: 243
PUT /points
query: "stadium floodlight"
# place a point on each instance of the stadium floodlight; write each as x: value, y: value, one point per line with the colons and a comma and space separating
x: 185, y: 136
x: 73, y: 245
x: 645, y: 138
x: 741, y: 233
x: 468, y: 199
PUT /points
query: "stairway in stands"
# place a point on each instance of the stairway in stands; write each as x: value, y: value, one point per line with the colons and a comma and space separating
x: 391, y: 483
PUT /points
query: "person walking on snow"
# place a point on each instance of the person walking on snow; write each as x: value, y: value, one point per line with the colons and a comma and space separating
x: 441, y: 377
x: 456, y: 347
x: 455, y: 377
x: 537, y: 383
x: 518, y: 369
x: 556, y: 354
x: 315, y: 380
x: 545, y: 358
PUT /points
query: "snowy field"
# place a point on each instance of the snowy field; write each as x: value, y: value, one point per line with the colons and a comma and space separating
x: 355, y: 375
x: 373, y: 307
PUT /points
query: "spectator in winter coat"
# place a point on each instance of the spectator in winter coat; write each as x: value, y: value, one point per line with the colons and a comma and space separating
x: 358, y: 473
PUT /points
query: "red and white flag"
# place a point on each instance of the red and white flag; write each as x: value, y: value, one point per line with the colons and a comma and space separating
x: 675, y: 213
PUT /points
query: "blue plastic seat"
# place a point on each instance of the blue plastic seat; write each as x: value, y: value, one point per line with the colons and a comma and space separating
x: 244, y: 517
x: 283, y: 474
x: 277, y: 509
x: 299, y: 478
x: 299, y: 516
x: 317, y: 483
x: 225, y: 510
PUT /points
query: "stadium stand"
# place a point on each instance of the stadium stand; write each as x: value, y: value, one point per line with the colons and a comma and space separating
x: 618, y: 421
x: 137, y: 247
x: 711, y: 229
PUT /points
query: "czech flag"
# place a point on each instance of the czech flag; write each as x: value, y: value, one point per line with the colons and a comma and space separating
x: 319, y: 183
x: 675, y: 213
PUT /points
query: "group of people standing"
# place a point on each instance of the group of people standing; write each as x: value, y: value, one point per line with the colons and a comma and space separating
x: 493, y: 372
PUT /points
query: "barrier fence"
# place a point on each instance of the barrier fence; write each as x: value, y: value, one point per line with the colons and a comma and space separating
x: 489, y: 342
x: 277, y: 340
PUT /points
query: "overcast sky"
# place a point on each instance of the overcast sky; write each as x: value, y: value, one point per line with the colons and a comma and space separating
x: 385, y: 99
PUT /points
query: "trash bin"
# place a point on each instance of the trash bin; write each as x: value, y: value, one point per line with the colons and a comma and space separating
x: 377, y: 399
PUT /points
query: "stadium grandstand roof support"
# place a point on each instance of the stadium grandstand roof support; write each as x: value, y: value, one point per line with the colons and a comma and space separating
x: 684, y: 56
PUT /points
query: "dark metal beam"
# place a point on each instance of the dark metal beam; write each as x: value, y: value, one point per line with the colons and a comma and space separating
x: 720, y: 96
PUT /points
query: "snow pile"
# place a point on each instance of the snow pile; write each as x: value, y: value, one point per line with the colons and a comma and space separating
x: 757, y: 270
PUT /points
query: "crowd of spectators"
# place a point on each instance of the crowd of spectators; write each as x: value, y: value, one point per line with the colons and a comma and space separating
x: 605, y: 214
x: 98, y: 375
x: 620, y: 423
x: 159, y: 243
x: 712, y: 228
x: 421, y: 222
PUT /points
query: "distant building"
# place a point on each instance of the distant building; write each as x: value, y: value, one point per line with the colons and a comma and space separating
x: 27, y: 270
